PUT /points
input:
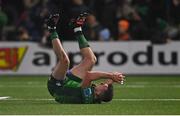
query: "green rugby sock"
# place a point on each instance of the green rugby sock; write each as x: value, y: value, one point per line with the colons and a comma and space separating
x: 83, y: 43
x: 54, y: 35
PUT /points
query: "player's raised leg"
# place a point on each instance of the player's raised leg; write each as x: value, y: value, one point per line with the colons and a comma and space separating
x: 62, y: 66
x: 89, y: 58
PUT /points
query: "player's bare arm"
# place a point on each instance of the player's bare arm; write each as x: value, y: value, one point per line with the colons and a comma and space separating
x: 96, y: 75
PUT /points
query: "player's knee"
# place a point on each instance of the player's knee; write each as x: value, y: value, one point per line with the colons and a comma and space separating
x: 91, y: 60
x: 65, y: 60
x: 94, y: 60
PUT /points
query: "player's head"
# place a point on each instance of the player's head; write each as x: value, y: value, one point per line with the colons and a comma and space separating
x: 103, y: 92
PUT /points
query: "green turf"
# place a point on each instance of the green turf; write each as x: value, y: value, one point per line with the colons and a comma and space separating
x: 26, y: 91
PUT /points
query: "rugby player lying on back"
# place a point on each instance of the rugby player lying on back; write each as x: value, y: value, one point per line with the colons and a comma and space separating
x: 74, y: 86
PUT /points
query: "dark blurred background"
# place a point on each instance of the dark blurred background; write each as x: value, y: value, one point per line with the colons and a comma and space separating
x: 110, y: 20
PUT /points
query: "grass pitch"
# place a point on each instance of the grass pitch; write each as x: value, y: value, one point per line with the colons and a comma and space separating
x: 139, y: 95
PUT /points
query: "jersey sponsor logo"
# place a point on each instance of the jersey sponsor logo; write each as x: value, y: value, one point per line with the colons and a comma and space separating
x: 87, y: 92
x: 11, y: 58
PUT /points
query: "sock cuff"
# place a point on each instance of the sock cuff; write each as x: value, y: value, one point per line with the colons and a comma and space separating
x: 77, y: 29
x: 79, y: 33
x: 84, y: 46
x: 83, y: 43
x: 54, y: 35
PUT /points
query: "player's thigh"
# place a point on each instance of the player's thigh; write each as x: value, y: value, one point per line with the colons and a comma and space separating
x: 60, y: 71
x: 81, y: 69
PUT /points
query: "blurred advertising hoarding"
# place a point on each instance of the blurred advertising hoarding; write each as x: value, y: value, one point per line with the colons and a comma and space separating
x: 26, y: 58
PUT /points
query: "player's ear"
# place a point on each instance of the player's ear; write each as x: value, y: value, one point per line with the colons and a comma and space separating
x: 105, y: 86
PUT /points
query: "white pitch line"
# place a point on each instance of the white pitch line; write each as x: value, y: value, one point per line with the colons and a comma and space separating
x: 146, y: 99
x: 148, y: 86
x: 19, y: 99
x: 5, y: 97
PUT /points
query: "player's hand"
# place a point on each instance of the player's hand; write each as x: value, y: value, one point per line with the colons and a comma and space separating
x: 78, y: 21
x: 118, y: 77
x: 52, y: 21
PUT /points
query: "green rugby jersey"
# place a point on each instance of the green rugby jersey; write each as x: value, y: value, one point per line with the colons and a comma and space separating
x: 70, y: 91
